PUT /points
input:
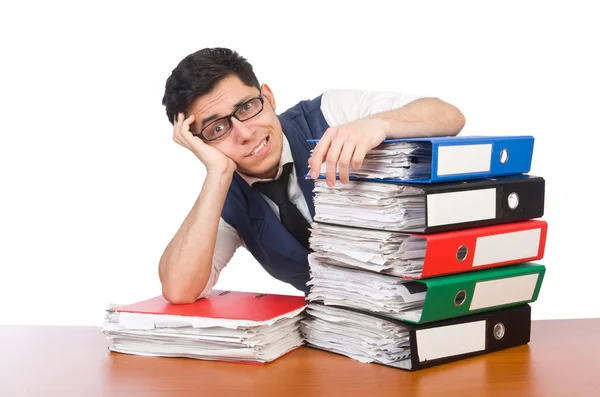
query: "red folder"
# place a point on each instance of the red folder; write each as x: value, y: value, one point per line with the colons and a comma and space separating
x: 225, y: 305
x: 483, y: 247
x: 231, y: 305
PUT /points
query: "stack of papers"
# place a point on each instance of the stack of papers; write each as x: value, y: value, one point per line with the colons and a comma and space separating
x: 397, y: 254
x: 226, y: 326
x: 370, y: 205
x: 362, y: 247
x: 360, y: 242
x: 363, y: 337
x: 391, y: 296
x: 402, y: 160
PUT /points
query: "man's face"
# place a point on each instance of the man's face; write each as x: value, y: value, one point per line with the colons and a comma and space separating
x: 254, y: 145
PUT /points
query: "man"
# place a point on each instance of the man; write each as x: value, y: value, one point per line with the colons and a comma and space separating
x: 222, y: 114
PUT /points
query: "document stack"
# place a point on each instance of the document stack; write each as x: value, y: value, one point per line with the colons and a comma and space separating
x: 428, y: 255
x: 225, y: 326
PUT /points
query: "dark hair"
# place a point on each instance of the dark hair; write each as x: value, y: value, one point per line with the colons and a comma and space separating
x: 199, y: 72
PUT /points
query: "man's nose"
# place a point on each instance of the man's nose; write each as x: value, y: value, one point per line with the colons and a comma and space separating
x: 243, y: 131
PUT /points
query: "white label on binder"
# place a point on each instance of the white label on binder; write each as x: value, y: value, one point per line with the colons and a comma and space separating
x: 450, y: 340
x: 464, y: 159
x: 458, y: 207
x: 507, y: 247
x: 503, y: 291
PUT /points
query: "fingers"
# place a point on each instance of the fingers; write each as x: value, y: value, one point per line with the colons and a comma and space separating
x: 181, y: 129
x: 337, y: 149
x: 319, y: 153
x: 343, y: 147
x: 185, y: 129
x: 359, y: 155
x: 177, y: 130
x: 344, y: 162
x: 332, y: 160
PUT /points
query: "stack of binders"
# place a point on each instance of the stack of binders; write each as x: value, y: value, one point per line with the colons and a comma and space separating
x: 429, y: 254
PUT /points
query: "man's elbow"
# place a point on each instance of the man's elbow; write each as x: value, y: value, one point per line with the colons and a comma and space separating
x: 455, y: 120
x: 179, y: 296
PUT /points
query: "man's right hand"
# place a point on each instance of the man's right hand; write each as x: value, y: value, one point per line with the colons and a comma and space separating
x: 213, y: 159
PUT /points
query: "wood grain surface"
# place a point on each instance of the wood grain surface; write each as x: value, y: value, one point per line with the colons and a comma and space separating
x: 562, y: 359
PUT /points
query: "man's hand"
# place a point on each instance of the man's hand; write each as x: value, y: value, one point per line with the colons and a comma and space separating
x: 213, y: 159
x: 346, y: 145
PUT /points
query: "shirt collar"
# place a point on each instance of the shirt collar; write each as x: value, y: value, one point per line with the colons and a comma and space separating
x: 286, y: 157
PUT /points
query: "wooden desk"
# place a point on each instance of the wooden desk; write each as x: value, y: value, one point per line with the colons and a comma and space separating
x: 563, y: 359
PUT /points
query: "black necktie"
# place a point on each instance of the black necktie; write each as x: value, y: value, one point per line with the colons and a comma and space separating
x: 289, y: 214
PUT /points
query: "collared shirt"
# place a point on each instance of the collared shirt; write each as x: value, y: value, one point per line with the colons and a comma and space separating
x: 338, y: 107
x: 294, y: 192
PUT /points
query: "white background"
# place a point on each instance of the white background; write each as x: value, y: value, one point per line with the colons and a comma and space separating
x: 93, y: 187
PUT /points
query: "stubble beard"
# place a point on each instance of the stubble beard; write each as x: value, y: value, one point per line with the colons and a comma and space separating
x: 270, y: 173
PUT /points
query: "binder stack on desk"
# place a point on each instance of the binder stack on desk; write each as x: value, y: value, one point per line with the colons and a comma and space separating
x: 429, y: 254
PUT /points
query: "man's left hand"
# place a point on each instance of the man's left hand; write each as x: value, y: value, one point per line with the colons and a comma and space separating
x: 346, y: 145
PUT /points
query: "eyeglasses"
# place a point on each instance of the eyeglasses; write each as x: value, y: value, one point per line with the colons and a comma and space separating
x: 221, y: 126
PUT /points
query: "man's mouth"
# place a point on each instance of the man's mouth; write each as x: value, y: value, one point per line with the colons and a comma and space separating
x: 257, y: 149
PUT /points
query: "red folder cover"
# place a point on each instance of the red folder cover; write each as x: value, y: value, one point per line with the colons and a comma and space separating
x: 483, y: 247
x: 226, y: 305
x: 231, y: 305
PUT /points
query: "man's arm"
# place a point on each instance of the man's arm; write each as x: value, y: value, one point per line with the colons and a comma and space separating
x: 380, y: 116
x: 423, y: 117
x: 186, y: 266
x: 228, y: 241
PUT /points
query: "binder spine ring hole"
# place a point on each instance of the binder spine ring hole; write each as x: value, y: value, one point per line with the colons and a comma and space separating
x: 499, y: 331
x: 460, y: 297
x: 513, y: 200
x: 462, y: 252
x: 503, y: 156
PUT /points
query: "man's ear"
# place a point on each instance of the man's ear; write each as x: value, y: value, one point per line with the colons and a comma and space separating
x: 268, y: 94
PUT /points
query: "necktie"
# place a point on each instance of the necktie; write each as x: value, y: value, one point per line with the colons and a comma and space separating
x: 289, y: 214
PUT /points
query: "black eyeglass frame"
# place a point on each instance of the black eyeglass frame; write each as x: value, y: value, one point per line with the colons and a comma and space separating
x: 229, y: 116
